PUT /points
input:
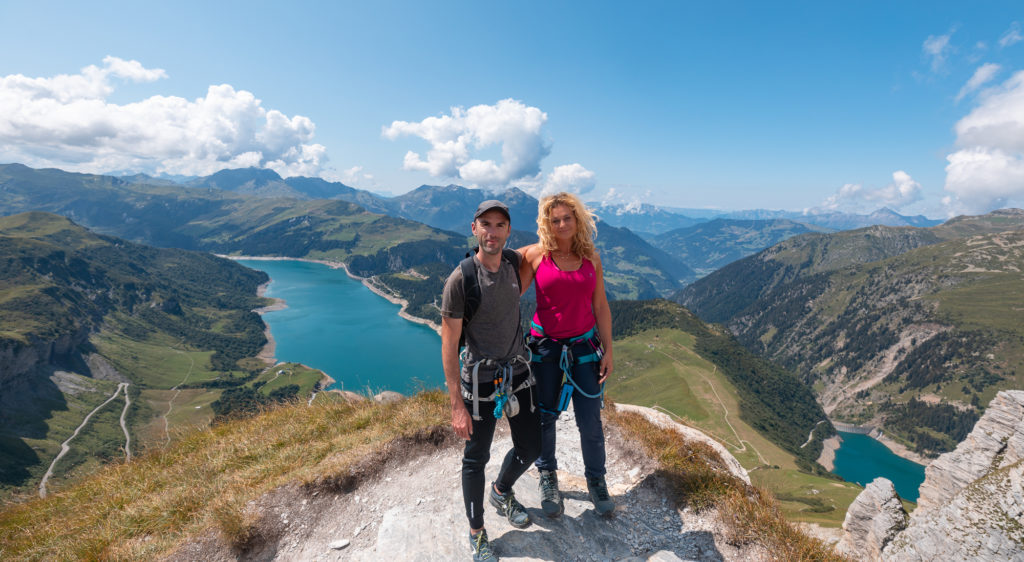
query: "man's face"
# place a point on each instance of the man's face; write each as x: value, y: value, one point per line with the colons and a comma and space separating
x: 491, y: 230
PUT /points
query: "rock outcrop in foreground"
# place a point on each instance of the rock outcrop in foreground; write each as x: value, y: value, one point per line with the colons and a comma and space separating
x: 872, y: 521
x: 972, y: 500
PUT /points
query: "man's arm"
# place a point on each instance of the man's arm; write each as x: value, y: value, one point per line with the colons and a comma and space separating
x: 451, y: 328
x: 526, y: 270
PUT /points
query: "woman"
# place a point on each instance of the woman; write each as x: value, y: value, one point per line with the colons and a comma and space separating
x: 571, y: 340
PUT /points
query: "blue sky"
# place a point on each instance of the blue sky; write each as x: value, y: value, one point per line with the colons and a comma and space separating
x: 736, y: 105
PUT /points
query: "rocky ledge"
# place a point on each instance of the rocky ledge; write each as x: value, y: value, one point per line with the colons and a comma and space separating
x: 971, y: 505
x: 997, y: 441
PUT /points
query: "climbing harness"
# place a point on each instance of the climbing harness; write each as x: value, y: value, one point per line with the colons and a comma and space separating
x: 567, y: 359
x: 504, y: 395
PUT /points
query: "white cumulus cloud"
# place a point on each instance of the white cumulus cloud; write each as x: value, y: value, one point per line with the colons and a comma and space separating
x: 573, y: 178
x: 66, y: 121
x: 987, y: 170
x: 983, y: 75
x: 903, y: 191
x: 456, y: 141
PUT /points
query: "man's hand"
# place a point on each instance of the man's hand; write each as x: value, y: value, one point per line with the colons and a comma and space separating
x: 462, y: 423
x: 450, y: 330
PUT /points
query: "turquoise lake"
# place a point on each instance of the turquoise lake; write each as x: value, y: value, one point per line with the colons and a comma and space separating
x: 335, y: 324
x: 861, y: 459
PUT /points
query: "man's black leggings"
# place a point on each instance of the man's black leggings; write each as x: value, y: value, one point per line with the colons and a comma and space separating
x: 525, y: 428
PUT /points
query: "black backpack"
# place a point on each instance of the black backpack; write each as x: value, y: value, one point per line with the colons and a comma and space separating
x: 471, y: 285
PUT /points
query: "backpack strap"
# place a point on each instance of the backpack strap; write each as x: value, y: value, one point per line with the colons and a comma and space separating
x: 471, y: 292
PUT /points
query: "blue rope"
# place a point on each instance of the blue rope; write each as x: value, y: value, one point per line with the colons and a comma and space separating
x: 565, y: 363
x: 503, y: 389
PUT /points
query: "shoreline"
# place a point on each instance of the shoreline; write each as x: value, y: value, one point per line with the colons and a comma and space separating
x: 404, y: 304
x: 267, y: 353
x: 829, y: 447
x: 895, y: 447
x: 899, y: 449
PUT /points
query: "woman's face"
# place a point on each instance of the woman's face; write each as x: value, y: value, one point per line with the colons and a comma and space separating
x: 563, y: 222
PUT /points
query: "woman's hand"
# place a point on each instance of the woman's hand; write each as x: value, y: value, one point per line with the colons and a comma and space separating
x: 606, y: 368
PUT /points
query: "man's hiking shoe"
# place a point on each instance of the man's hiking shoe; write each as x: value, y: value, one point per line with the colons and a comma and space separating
x: 550, y: 497
x: 510, y: 508
x: 481, y: 547
x: 603, y: 503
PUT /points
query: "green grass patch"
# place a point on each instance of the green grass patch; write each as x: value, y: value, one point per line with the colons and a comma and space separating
x: 158, y: 362
x: 995, y: 301
x: 660, y: 369
x: 290, y: 373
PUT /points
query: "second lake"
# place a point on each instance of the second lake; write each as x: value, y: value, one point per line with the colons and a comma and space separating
x: 861, y: 459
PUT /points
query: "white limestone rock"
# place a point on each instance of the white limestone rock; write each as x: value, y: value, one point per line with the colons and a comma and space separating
x: 388, y: 396
x: 872, y: 521
x: 996, y: 441
x: 983, y: 522
x: 972, y: 500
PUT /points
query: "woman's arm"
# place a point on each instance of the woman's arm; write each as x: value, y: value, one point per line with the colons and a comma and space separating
x: 527, y: 269
x: 603, y: 313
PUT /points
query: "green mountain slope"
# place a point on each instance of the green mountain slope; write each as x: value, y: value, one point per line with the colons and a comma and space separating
x: 82, y: 313
x: 911, y: 330
x: 772, y: 400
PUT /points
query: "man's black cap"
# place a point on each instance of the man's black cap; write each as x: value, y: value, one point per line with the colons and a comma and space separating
x: 492, y: 204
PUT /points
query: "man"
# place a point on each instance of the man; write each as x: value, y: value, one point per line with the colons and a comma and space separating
x: 494, y: 377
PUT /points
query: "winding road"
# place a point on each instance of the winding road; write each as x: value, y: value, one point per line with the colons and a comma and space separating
x: 66, y: 446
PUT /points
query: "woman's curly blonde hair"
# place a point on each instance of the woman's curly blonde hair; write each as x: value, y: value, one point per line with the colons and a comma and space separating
x: 586, y: 227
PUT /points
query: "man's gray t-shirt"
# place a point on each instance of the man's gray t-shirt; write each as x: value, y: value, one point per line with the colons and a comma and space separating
x: 495, y: 331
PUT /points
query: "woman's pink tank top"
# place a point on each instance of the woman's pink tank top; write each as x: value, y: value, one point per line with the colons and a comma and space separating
x: 564, y: 299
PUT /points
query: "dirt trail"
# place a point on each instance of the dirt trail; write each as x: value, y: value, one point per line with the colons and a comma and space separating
x: 124, y: 425
x: 170, y: 403
x: 66, y: 445
x: 742, y: 447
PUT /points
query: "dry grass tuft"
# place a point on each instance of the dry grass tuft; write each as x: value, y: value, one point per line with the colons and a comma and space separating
x: 146, y: 508
x: 699, y: 478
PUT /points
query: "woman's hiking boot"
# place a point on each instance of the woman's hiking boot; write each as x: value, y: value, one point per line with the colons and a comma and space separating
x: 510, y: 508
x: 603, y: 503
x: 481, y: 547
x: 550, y: 497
